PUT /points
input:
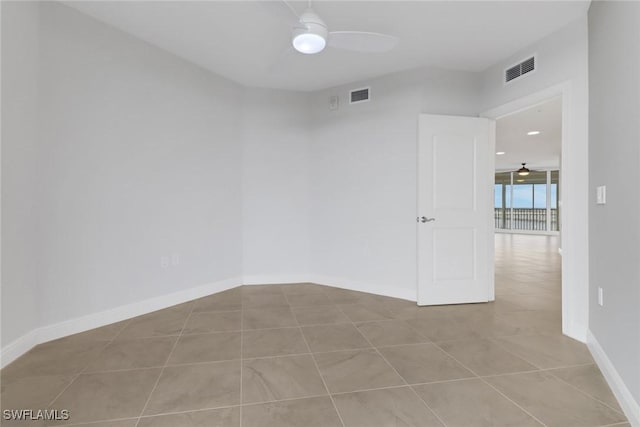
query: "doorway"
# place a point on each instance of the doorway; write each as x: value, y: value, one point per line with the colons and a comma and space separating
x: 528, y: 268
x: 573, y: 187
x: 527, y: 170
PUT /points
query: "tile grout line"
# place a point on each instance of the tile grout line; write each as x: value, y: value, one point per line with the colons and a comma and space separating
x: 188, y: 411
x: 300, y: 327
x: 153, y: 415
x: 423, y: 335
x: 315, y: 362
x: 623, y: 423
x: 184, y: 324
x: 88, y: 423
x: 292, y: 399
x: 368, y: 347
x: 531, y: 371
x: 582, y: 391
x: 492, y: 386
x: 75, y: 377
x: 286, y: 400
x: 526, y: 359
x: 398, y: 373
x: 505, y: 348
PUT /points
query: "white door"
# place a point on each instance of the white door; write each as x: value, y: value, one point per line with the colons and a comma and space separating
x: 455, y: 209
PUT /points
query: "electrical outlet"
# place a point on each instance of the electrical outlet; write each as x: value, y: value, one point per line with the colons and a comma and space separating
x: 175, y: 259
x: 600, y: 296
x: 164, y: 262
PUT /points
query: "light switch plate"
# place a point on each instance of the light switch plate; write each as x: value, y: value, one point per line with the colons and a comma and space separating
x: 601, y: 195
x: 334, y: 103
x: 600, y: 296
x: 164, y: 262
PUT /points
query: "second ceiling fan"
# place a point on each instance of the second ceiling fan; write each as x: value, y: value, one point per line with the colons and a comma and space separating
x: 524, y: 170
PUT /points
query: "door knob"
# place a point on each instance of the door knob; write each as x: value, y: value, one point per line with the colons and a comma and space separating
x: 425, y: 219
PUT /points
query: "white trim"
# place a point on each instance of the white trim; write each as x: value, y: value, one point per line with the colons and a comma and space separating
x: 406, y: 293
x: 574, y: 224
x: 268, y: 279
x: 18, y: 347
x: 629, y: 406
x: 336, y: 282
x: 37, y: 336
x: 527, y: 102
x: 491, y: 252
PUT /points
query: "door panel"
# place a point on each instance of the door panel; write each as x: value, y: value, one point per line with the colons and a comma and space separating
x: 453, y: 253
x: 455, y: 190
x: 454, y: 170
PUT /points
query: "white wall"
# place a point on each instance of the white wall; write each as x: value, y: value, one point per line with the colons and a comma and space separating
x: 275, y: 186
x: 614, y: 153
x: 561, y: 61
x: 140, y: 158
x: 363, y: 177
x: 141, y: 154
x: 19, y: 181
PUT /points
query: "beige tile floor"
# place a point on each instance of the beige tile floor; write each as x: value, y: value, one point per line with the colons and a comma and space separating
x: 310, y: 355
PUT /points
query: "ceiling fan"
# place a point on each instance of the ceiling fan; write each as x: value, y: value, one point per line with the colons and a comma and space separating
x: 524, y: 170
x: 311, y: 35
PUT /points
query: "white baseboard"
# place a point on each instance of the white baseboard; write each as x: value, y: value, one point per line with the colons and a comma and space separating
x: 387, y: 291
x: 18, y: 347
x: 275, y: 279
x: 75, y: 325
x: 577, y: 331
x: 37, y: 336
x: 628, y: 404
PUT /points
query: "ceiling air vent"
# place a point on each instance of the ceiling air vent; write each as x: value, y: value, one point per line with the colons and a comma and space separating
x: 520, y: 69
x: 359, y: 95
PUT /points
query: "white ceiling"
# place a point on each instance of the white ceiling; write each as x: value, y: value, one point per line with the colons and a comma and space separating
x: 538, y: 151
x: 247, y: 41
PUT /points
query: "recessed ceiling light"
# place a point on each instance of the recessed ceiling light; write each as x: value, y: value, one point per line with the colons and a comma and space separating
x: 499, y: 153
x: 533, y: 132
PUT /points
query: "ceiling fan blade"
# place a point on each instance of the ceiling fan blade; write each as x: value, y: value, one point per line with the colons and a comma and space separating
x: 280, y: 10
x: 293, y: 11
x: 362, y: 41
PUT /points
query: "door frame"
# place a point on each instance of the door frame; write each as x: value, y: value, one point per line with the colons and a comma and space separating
x: 574, y: 190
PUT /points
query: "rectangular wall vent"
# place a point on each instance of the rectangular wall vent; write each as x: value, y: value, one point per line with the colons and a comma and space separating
x: 520, y: 69
x: 359, y: 95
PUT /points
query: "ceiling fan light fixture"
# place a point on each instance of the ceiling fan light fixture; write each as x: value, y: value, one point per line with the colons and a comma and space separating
x: 523, y: 171
x: 309, y: 43
x: 311, y: 36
